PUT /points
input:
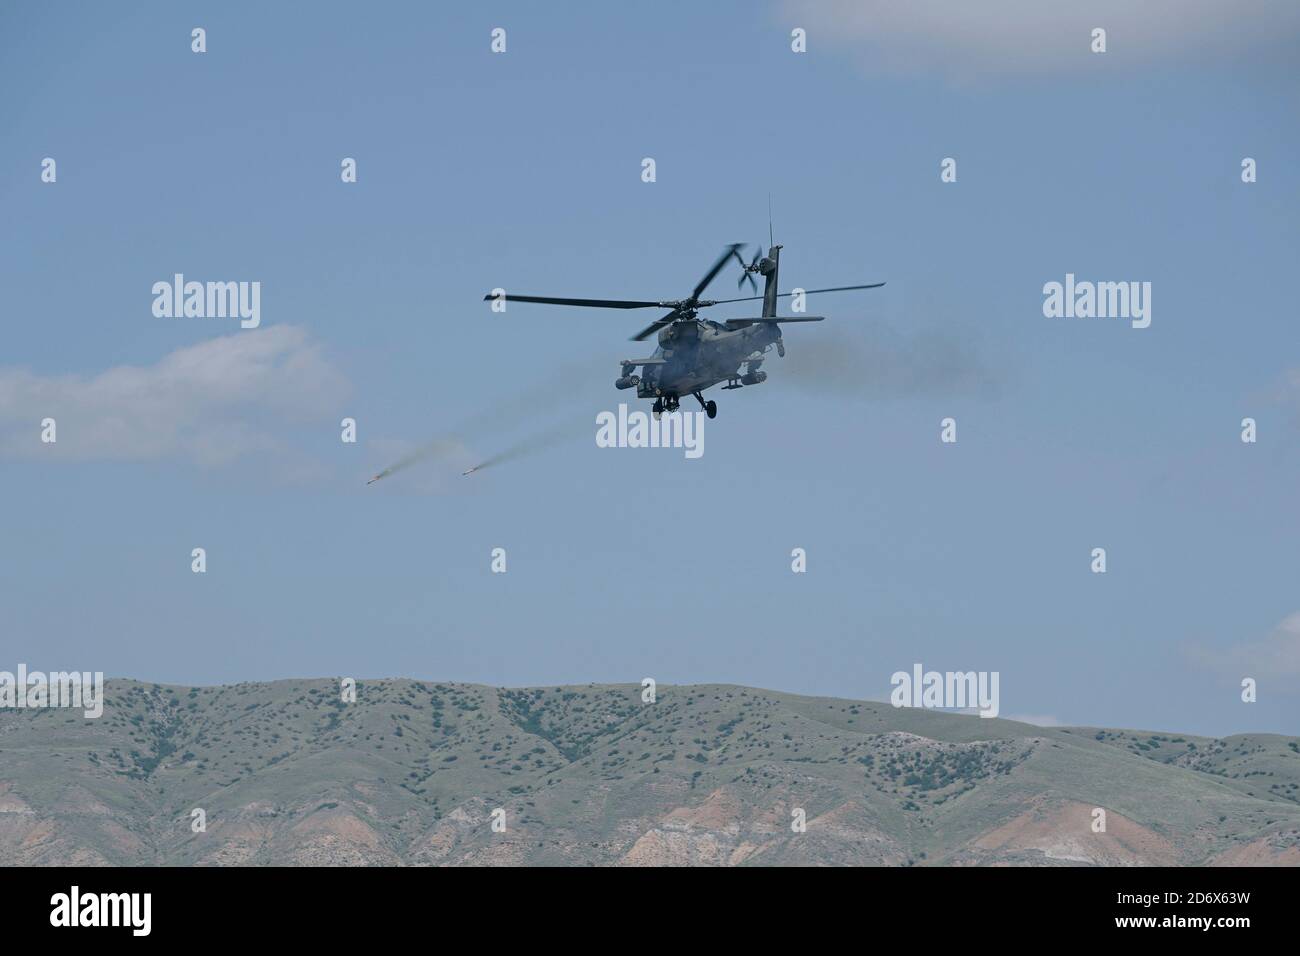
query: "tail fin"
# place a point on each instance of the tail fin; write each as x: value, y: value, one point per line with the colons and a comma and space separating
x: 769, y: 267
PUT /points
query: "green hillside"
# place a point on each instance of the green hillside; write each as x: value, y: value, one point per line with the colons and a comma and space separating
x: 411, y: 772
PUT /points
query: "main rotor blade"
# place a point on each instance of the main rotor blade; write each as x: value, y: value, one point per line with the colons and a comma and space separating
x: 717, y: 267
x: 771, y: 319
x: 838, y: 288
x: 590, y: 303
x: 656, y: 325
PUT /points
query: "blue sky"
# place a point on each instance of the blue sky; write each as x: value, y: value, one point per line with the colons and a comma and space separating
x: 522, y: 170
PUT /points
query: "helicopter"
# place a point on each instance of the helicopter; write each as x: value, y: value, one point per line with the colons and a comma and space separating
x: 695, y: 353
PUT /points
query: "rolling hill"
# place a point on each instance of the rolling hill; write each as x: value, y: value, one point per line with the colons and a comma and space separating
x: 410, y: 774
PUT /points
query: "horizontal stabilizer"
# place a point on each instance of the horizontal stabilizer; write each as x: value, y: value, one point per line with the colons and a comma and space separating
x: 786, y: 295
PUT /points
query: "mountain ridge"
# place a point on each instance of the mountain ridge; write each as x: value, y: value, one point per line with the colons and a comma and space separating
x: 710, y: 774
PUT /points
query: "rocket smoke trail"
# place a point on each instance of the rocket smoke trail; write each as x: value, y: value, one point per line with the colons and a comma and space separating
x: 434, y: 449
x: 520, y: 449
x: 499, y: 415
x: 526, y: 446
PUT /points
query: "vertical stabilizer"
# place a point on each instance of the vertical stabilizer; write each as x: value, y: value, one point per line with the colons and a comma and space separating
x: 768, y: 267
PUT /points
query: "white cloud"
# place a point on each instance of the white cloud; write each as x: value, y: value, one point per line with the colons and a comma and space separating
x: 210, y: 403
x: 1275, y: 657
x: 1043, y: 36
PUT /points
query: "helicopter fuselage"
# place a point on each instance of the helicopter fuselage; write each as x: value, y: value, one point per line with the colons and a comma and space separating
x: 698, y: 354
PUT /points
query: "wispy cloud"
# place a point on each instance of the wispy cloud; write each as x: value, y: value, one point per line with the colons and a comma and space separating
x: 1275, y: 657
x: 1038, y: 37
x: 1287, y: 392
x: 211, y: 403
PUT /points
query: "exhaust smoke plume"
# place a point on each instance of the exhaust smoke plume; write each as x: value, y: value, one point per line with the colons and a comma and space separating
x: 886, y: 364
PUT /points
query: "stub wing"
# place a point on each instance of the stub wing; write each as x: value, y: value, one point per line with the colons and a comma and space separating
x: 644, y: 361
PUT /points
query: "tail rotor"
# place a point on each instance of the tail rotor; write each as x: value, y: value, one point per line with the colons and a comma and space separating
x: 747, y: 271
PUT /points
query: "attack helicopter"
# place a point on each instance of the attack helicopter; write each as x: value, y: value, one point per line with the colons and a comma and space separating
x: 696, y: 353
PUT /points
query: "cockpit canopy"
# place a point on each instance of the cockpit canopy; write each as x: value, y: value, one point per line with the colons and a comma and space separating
x: 679, y: 332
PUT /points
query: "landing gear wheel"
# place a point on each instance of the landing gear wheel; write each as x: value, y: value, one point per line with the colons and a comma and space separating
x: 711, y: 409
x: 658, y: 407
